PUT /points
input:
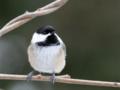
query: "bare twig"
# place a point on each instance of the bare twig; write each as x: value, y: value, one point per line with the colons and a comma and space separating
x: 27, y: 16
x: 61, y: 79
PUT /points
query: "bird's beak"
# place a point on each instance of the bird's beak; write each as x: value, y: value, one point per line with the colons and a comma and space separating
x: 52, y: 33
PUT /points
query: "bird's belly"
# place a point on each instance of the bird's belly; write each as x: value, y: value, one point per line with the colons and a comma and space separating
x: 47, y: 60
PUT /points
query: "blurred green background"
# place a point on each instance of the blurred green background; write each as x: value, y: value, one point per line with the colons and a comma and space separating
x: 90, y: 30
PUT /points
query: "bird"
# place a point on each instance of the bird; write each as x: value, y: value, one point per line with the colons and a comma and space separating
x: 46, y: 52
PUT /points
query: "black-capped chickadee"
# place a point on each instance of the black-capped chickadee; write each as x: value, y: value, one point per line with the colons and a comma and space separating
x: 46, y: 52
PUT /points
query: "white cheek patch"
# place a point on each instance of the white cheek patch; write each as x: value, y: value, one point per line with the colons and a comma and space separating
x: 59, y: 39
x: 39, y: 37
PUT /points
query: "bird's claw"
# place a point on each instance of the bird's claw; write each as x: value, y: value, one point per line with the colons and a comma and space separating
x: 29, y: 76
x: 52, y: 78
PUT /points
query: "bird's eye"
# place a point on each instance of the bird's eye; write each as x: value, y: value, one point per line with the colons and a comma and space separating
x: 46, y: 32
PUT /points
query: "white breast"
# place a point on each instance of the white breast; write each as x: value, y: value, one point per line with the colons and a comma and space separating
x: 47, y: 59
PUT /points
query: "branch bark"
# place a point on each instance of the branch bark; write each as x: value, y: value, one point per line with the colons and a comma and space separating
x: 61, y: 79
x: 27, y: 16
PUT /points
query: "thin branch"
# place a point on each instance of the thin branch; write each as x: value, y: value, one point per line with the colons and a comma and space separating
x: 61, y: 79
x: 27, y: 16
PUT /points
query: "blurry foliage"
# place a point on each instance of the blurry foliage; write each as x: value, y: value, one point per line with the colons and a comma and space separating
x: 90, y: 29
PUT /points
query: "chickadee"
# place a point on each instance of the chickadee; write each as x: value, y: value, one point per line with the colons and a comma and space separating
x: 46, y: 52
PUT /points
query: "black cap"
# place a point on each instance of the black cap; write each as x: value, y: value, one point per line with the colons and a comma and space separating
x: 45, y: 29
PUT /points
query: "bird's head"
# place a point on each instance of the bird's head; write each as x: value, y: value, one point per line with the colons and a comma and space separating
x: 45, y: 36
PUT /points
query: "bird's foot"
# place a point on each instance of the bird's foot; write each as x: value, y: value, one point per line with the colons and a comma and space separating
x: 29, y: 76
x: 52, y: 78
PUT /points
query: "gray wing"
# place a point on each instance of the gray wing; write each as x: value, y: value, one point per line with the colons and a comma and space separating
x: 64, y: 48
